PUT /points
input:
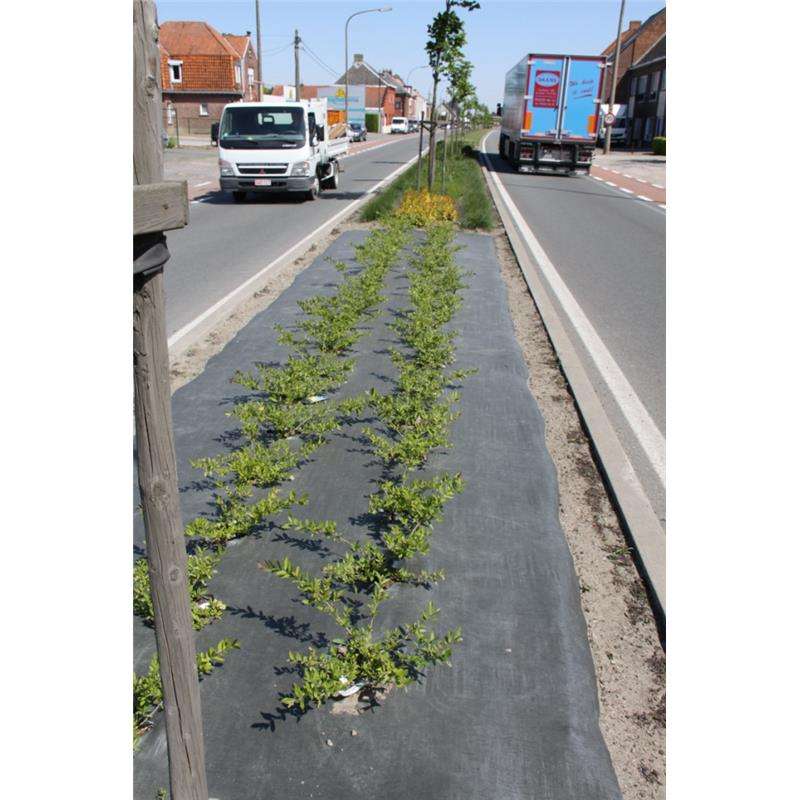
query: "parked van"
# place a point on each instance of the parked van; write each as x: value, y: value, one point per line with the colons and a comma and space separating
x: 399, y: 125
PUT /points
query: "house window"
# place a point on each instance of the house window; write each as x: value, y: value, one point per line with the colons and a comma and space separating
x: 251, y: 75
x: 653, y: 85
x: 175, y: 71
x: 238, y: 74
x: 203, y: 109
x: 641, y: 87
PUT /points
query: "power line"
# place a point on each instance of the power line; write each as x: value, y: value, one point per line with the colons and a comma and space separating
x: 319, y: 63
x: 278, y: 49
x: 319, y: 60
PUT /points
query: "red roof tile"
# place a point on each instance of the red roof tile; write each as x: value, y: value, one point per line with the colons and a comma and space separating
x: 193, y: 38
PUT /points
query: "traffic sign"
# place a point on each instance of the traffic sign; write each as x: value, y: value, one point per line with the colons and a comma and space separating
x: 609, y: 118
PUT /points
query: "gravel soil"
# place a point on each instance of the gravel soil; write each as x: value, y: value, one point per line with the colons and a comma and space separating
x: 629, y: 660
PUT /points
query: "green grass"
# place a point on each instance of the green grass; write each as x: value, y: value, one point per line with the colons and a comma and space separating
x: 463, y: 182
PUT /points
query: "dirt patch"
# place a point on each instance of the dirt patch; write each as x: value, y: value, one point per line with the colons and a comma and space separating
x: 628, y: 658
x: 192, y: 362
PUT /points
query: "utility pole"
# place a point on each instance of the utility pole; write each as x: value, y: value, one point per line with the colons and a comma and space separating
x: 296, y: 65
x: 258, y: 47
x: 607, y: 143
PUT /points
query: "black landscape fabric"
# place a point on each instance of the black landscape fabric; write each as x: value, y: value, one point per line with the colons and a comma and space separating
x: 517, y: 714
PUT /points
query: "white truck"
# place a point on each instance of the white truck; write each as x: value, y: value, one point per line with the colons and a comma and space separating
x: 279, y: 146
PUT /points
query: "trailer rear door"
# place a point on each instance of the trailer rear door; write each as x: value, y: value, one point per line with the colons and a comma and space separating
x: 584, y: 83
x: 543, y: 97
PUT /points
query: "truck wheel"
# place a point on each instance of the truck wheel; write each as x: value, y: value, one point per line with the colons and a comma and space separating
x: 313, y: 192
x: 502, y: 148
x: 333, y: 181
x: 238, y: 197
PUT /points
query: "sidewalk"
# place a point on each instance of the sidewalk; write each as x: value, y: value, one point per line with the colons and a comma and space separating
x: 640, y: 173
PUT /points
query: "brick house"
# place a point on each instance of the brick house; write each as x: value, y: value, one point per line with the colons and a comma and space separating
x: 381, y: 98
x: 642, y: 77
x: 202, y: 70
x: 647, y: 98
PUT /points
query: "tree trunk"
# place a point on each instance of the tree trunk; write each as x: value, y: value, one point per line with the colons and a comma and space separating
x: 432, y: 137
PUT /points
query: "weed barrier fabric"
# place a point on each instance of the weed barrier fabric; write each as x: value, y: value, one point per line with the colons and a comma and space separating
x: 517, y: 714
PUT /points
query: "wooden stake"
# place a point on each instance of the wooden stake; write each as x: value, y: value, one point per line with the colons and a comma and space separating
x: 158, y: 480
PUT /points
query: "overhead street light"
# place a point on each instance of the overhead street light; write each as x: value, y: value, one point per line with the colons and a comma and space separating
x: 381, y: 10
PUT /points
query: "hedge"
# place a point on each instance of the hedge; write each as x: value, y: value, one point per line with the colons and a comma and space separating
x: 660, y: 145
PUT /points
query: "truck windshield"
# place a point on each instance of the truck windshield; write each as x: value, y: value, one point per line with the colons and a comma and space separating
x: 262, y: 127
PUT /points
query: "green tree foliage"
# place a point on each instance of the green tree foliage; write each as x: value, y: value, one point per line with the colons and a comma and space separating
x: 446, y: 39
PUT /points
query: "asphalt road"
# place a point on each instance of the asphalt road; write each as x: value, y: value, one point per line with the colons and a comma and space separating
x: 226, y: 243
x: 609, y: 249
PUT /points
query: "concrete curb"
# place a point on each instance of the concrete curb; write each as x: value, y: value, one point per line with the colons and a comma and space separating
x: 642, y: 526
x: 185, y: 337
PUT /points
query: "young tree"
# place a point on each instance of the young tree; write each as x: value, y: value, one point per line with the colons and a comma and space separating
x: 446, y: 38
x: 461, y: 90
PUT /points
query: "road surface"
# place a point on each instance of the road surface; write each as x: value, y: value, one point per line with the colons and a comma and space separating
x: 226, y: 243
x: 608, y: 248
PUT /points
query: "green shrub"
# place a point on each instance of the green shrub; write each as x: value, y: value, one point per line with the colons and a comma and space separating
x: 372, y: 121
x: 660, y: 145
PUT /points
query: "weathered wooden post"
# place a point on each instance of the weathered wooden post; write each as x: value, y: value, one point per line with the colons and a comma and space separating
x: 160, y: 206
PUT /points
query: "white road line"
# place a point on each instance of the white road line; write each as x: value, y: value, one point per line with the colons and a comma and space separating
x: 657, y: 185
x: 611, y: 184
x: 625, y: 175
x: 661, y: 205
x: 615, y: 170
x: 204, y: 183
x: 642, y: 197
x: 189, y: 327
x: 596, y: 177
x: 627, y: 191
x: 641, y: 423
x: 643, y: 181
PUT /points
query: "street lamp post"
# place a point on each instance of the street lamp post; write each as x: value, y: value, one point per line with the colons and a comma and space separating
x: 408, y: 81
x: 347, y: 55
x: 607, y: 143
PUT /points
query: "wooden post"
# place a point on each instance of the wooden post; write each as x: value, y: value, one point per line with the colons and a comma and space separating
x: 419, y: 157
x: 444, y: 155
x: 158, y: 482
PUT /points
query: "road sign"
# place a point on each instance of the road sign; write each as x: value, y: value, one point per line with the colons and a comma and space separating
x: 609, y: 118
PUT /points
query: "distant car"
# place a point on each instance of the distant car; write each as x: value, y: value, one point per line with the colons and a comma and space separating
x: 356, y: 132
x: 413, y: 125
x: 399, y: 125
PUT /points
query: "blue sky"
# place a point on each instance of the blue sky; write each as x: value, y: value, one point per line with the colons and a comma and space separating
x: 498, y: 34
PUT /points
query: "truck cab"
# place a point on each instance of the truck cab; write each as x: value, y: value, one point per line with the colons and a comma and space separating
x: 278, y: 146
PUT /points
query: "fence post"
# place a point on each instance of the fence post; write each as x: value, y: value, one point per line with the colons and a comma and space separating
x: 160, y: 206
x: 444, y: 154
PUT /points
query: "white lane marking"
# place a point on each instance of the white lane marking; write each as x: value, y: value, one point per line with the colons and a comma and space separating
x: 642, y: 197
x: 641, y: 423
x: 657, y: 185
x: 611, y: 184
x: 615, y: 170
x: 643, y: 181
x: 370, y: 149
x: 596, y: 177
x: 204, y: 183
x: 661, y: 205
x: 189, y: 327
x: 627, y: 191
x: 625, y: 175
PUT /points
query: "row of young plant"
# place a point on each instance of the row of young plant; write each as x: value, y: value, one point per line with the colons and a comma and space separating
x: 414, y: 419
x: 281, y: 426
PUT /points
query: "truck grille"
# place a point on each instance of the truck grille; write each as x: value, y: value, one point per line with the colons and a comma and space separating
x: 262, y: 169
